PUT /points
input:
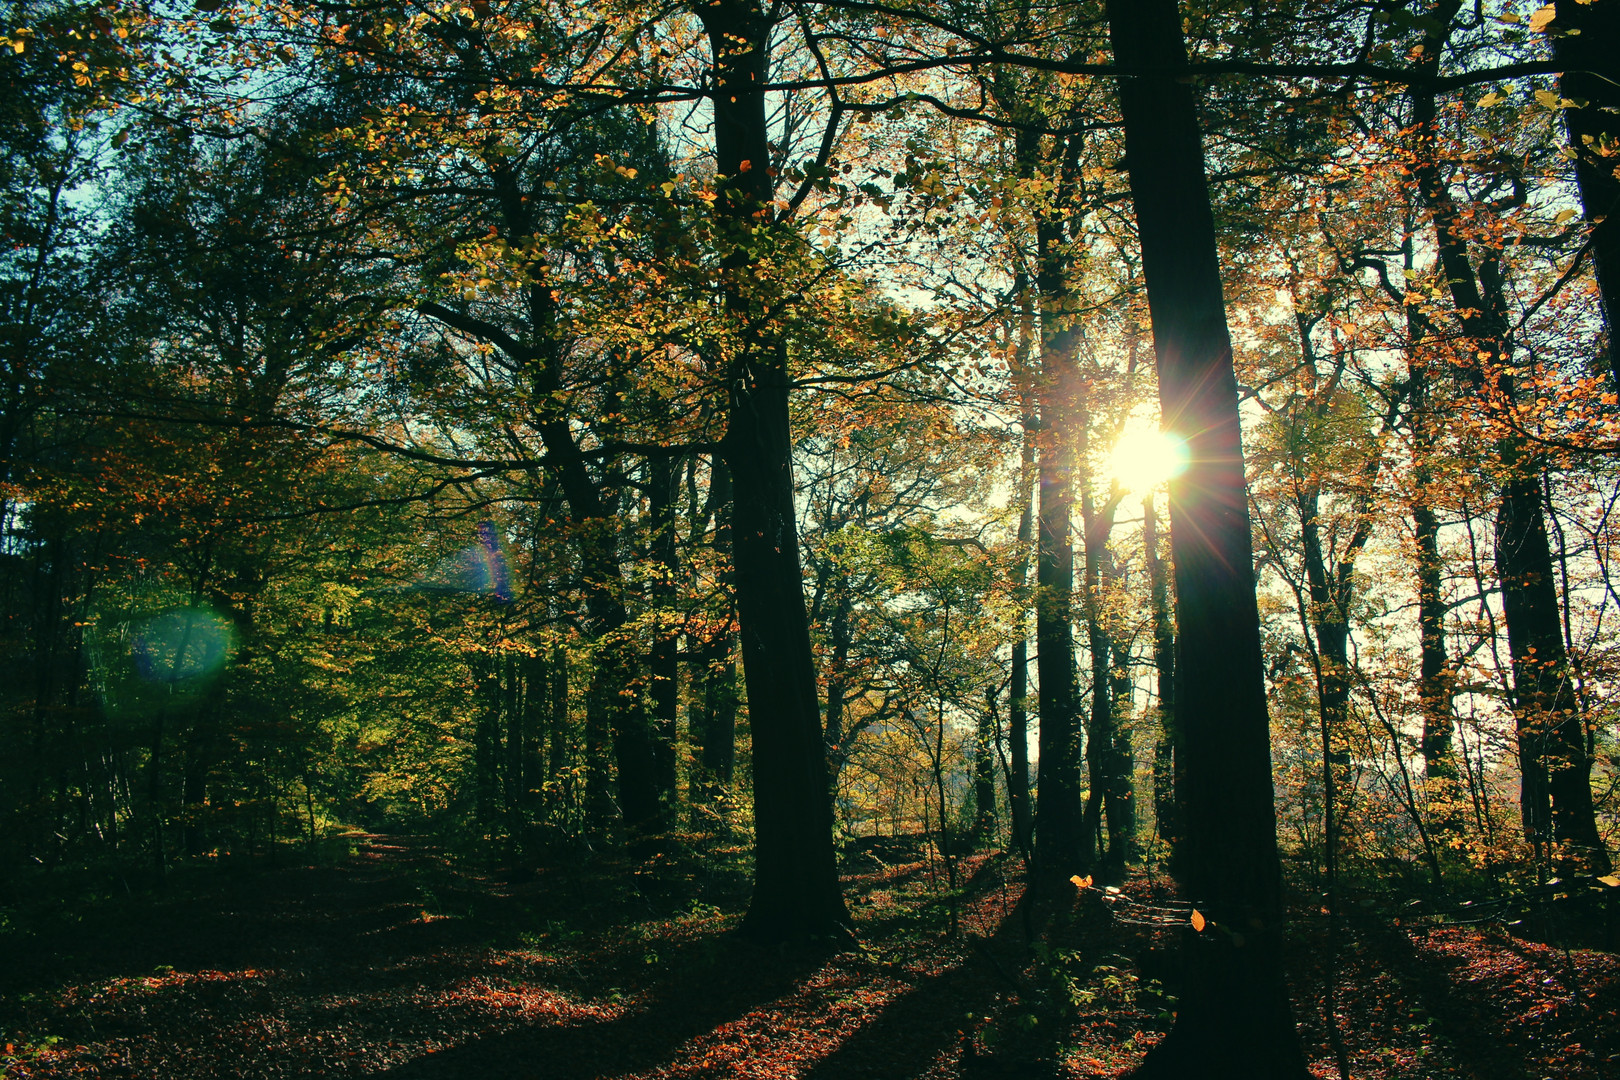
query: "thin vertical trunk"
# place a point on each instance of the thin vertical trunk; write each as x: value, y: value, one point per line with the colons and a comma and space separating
x: 1018, y: 688
x: 486, y: 737
x: 1235, y: 1018
x: 1435, y: 685
x: 840, y: 637
x: 664, y: 663
x: 1109, y: 791
x: 796, y: 890
x: 517, y: 750
x: 1120, y: 798
x: 1166, y: 755
x: 559, y: 757
x: 984, y: 769
x: 714, y: 676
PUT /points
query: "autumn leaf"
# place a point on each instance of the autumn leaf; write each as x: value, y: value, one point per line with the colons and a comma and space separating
x: 1198, y: 921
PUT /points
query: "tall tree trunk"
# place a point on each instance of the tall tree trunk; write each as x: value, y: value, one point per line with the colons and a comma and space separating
x: 1235, y: 1019
x: 1167, y: 756
x: 517, y: 751
x: 984, y: 769
x: 1109, y: 793
x: 1557, y: 785
x: 1591, y: 62
x: 796, y: 890
x: 1059, y: 816
x: 1018, y: 683
x: 1120, y: 799
x: 1435, y: 685
x: 559, y: 763
x: 1556, y: 791
x: 486, y: 737
x: 714, y: 676
x: 664, y: 662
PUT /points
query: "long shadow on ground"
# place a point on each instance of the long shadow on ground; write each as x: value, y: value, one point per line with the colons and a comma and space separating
x: 715, y: 982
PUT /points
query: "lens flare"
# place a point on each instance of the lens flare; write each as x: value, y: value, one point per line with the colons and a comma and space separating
x: 480, y: 569
x: 1144, y: 459
x: 181, y: 646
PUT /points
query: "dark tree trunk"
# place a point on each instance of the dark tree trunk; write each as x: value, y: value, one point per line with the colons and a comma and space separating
x: 486, y: 737
x: 1120, y: 798
x: 840, y: 635
x: 984, y: 769
x: 664, y: 661
x: 714, y: 676
x: 1435, y: 676
x: 517, y: 750
x: 194, y: 790
x: 536, y: 707
x: 1059, y: 816
x: 1552, y: 737
x: 560, y: 753
x: 1018, y: 683
x: 1109, y: 795
x: 796, y: 890
x: 1556, y: 792
x: 1435, y: 671
x: 1235, y: 1019
x: 1166, y: 755
x: 1591, y: 62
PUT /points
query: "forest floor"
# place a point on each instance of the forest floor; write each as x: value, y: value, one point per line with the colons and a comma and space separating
x: 395, y: 961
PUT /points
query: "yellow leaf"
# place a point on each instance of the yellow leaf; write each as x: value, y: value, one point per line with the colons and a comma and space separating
x: 1610, y: 880
x: 1488, y: 100
x: 1198, y: 921
x: 1547, y: 99
x: 18, y: 45
x: 1081, y: 882
x: 1541, y: 17
x: 1563, y: 216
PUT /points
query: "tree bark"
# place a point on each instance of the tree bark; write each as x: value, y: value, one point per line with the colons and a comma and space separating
x: 1018, y: 683
x: 714, y: 677
x: 1591, y: 61
x: 796, y: 889
x: 664, y: 662
x: 1059, y: 816
x: 1167, y: 756
x: 1235, y: 1018
x: 1556, y: 790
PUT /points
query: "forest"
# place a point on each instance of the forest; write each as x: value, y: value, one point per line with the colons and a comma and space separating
x: 820, y: 538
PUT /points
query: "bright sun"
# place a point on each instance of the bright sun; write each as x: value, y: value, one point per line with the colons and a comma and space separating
x: 1145, y: 458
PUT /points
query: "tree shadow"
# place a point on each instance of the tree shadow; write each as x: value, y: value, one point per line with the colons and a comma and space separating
x: 937, y: 1016
x: 1479, y: 1050
x: 709, y: 983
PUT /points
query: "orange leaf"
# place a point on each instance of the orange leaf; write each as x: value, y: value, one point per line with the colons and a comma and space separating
x: 1198, y: 921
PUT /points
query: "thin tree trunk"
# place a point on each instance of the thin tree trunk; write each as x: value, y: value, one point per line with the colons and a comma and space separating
x: 984, y: 769
x: 1018, y: 688
x: 1167, y: 752
x: 664, y: 663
